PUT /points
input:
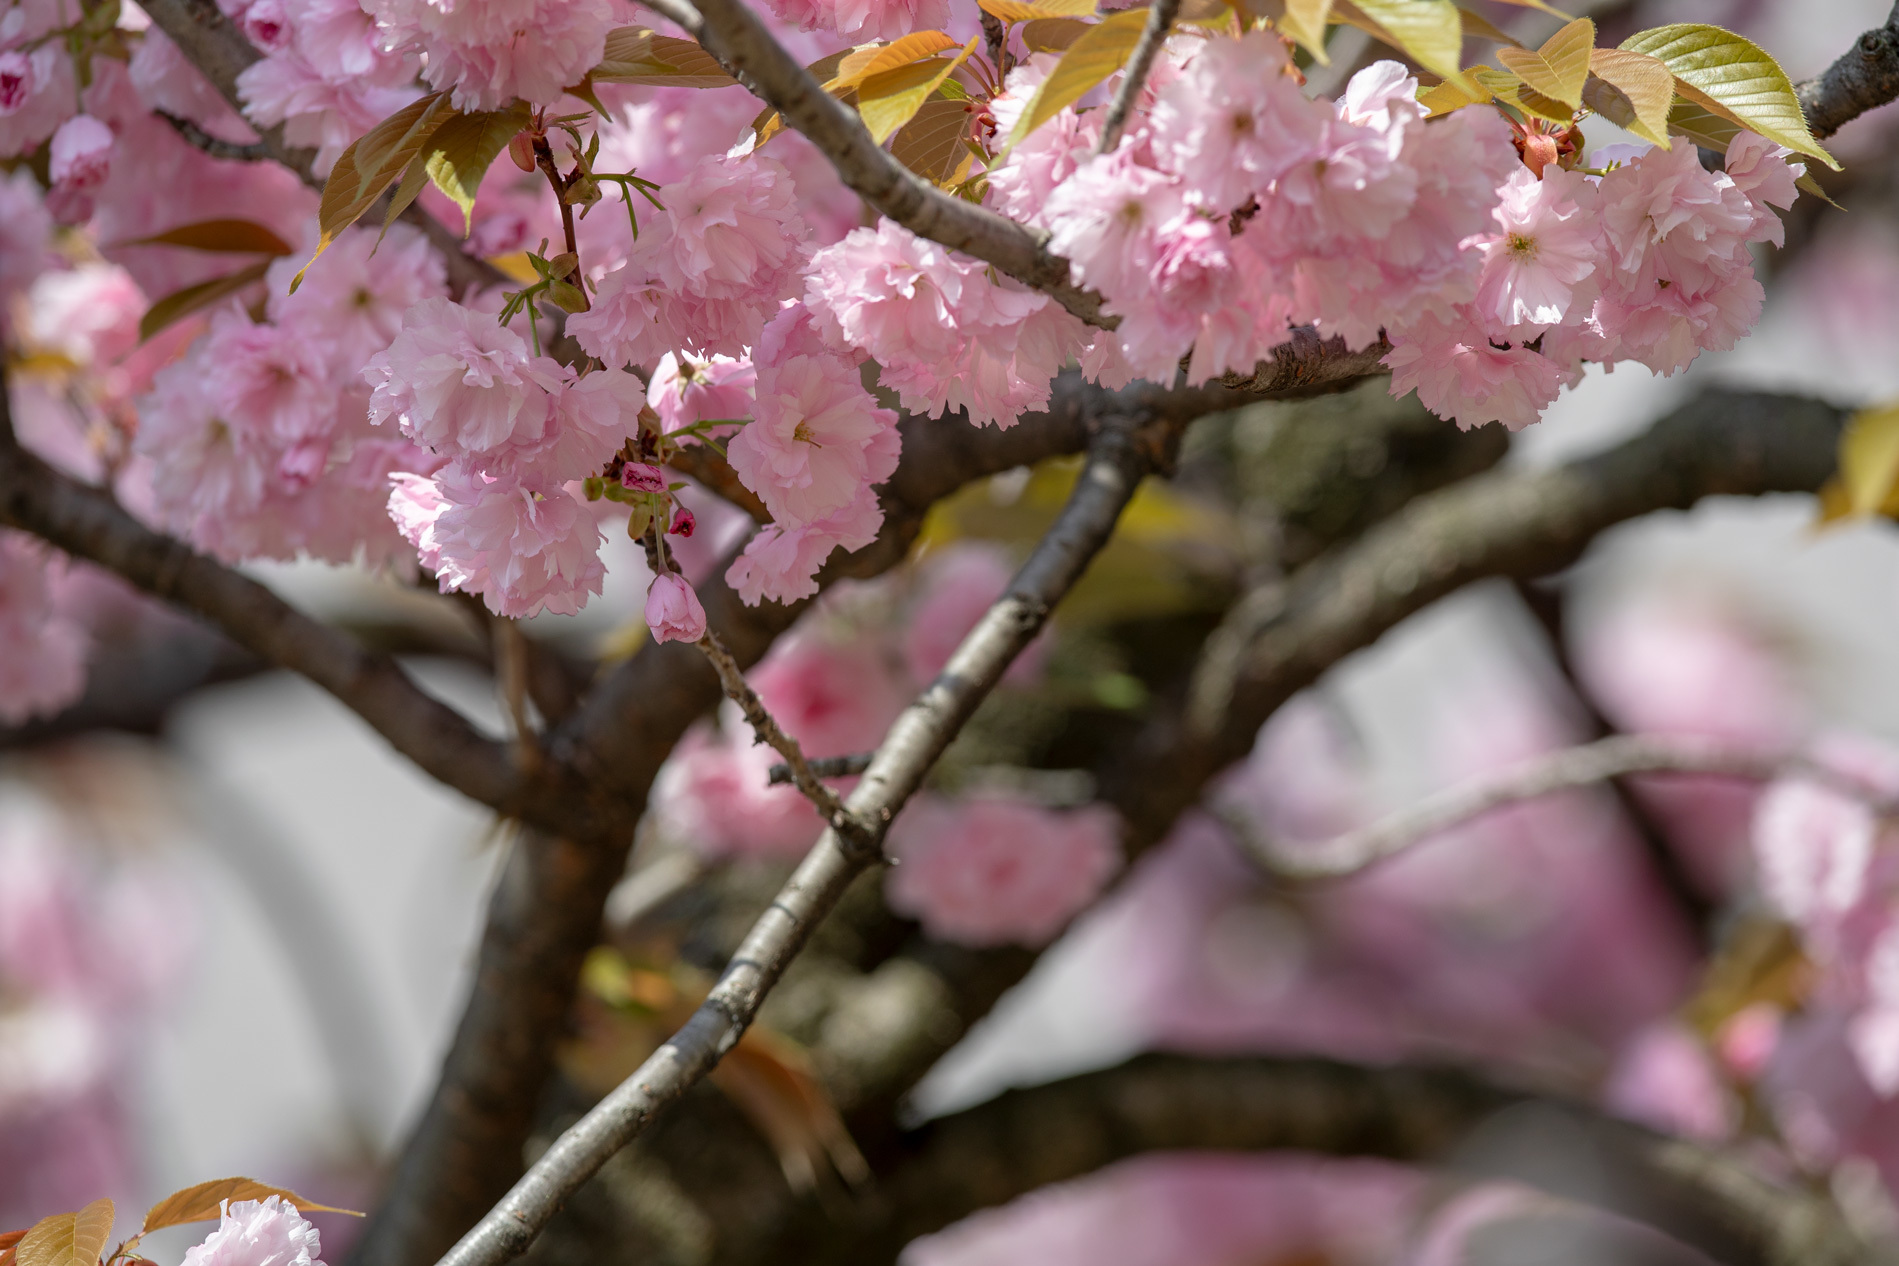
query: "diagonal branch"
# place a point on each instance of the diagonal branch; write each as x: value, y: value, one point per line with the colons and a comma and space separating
x: 1160, y: 21
x: 1864, y: 78
x: 1114, y: 468
x: 87, y: 523
x: 1569, y: 769
x: 1025, y: 1140
x: 732, y: 33
x: 213, y: 43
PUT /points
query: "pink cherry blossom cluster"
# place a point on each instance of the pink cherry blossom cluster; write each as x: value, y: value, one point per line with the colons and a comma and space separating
x: 328, y: 73
x: 994, y: 869
x: 267, y: 1232
x: 259, y: 438
x: 508, y: 430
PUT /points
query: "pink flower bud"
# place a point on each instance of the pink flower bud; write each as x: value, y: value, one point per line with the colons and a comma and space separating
x: 639, y: 477
x: 16, y: 81
x: 81, y: 153
x: 673, y: 612
x: 683, y: 523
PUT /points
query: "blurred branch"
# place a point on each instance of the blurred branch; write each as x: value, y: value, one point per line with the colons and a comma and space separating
x: 213, y: 43
x: 1864, y: 78
x: 1160, y: 21
x: 1565, y: 770
x: 1114, y: 469
x: 87, y: 523
x: 1024, y: 1140
x: 216, y: 147
x: 824, y: 767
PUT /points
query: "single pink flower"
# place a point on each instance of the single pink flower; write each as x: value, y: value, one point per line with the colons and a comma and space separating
x: 268, y: 1232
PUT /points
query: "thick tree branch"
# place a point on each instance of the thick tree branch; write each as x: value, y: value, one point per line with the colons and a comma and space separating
x: 216, y: 147
x: 87, y: 523
x: 214, y: 44
x: 1565, y: 770
x: 1160, y: 21
x: 917, y: 738
x: 1026, y: 1139
x: 1864, y: 78
x: 732, y: 33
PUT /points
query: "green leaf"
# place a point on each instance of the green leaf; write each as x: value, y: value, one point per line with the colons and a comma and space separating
x: 1097, y: 53
x: 1429, y: 32
x: 1559, y: 68
x: 1731, y: 77
x: 462, y: 149
x: 236, y: 237
x: 200, y: 1203
x: 889, y: 99
x: 635, y: 55
x: 182, y: 303
x: 67, y: 1239
x: 1701, y: 125
x: 1305, y: 21
x: 1632, y: 91
x: 371, y: 164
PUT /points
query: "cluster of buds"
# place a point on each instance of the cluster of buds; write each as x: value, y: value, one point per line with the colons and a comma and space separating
x: 634, y: 478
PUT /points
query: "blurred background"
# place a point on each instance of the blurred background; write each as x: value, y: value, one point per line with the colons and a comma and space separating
x: 236, y: 930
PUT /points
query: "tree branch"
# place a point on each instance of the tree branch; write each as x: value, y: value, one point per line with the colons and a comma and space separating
x: 1864, y: 78
x: 1160, y: 21
x: 1026, y: 1139
x: 917, y: 738
x: 214, y: 44
x: 1565, y: 770
x: 87, y: 523
x: 216, y: 147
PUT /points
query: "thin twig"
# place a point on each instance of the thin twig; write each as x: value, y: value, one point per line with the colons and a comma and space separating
x: 769, y: 732
x: 824, y: 767
x: 215, y: 146
x: 1160, y: 22
x: 916, y: 740
x: 1565, y: 770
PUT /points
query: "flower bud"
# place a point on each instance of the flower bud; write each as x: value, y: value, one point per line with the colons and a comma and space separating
x: 640, y: 477
x: 683, y: 524
x: 673, y: 612
x: 521, y: 150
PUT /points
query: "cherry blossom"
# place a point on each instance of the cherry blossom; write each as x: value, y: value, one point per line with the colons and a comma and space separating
x: 993, y: 870
x: 485, y: 55
x: 673, y: 612
x: 818, y: 439
x: 267, y: 1232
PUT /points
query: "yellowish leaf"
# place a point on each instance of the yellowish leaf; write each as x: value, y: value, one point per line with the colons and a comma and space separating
x: 1544, y: 107
x: 1445, y: 98
x: 911, y: 48
x: 371, y: 164
x: 202, y: 1202
x: 1541, y: 5
x: 1497, y: 83
x: 179, y: 304
x: 67, y: 1239
x: 931, y: 144
x: 1017, y: 11
x: 1477, y: 26
x: 1051, y: 35
x: 516, y: 265
x: 635, y: 55
x: 889, y: 99
x: 1869, y: 461
x: 1559, y: 68
x: 1305, y: 21
x: 1701, y: 125
x: 1732, y: 77
x: 768, y: 123
x: 236, y: 237
x: 1632, y: 91
x: 1100, y: 51
x: 462, y: 149
x: 1429, y: 32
